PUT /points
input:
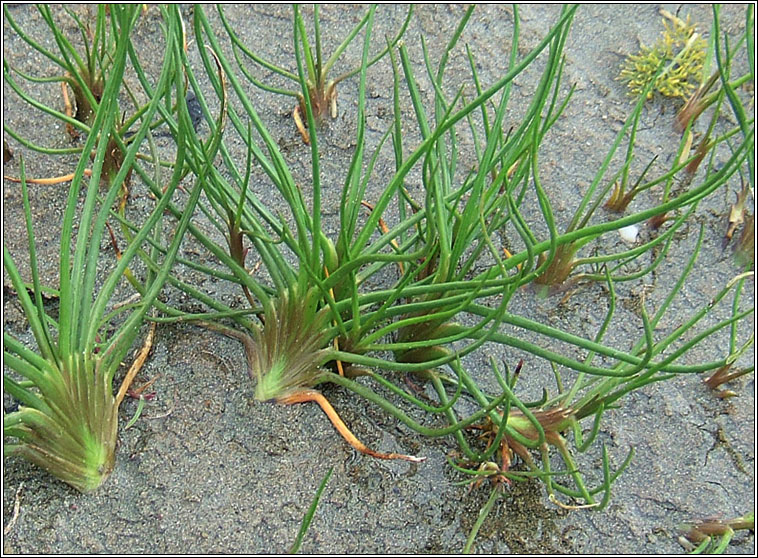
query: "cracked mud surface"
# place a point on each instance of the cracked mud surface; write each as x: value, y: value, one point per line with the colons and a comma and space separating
x: 206, y: 469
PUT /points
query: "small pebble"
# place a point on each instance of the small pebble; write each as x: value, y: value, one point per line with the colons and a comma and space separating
x: 629, y: 234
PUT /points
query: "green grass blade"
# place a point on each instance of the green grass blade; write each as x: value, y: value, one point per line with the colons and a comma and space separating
x: 309, y: 514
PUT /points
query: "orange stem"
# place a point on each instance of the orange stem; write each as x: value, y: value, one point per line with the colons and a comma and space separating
x: 509, y: 255
x: 48, y: 181
x: 300, y: 127
x: 385, y: 229
x: 68, y: 109
x: 136, y: 365
x: 305, y: 395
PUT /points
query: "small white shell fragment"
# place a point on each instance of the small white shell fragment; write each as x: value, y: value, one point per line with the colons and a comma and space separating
x: 629, y: 234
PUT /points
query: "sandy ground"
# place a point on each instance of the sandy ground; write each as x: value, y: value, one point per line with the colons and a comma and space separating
x: 206, y: 469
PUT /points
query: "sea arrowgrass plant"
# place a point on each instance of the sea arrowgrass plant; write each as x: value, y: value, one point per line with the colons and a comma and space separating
x: 460, y: 223
x: 518, y: 428
x: 596, y: 389
x: 564, y: 261
x: 523, y: 428
x: 67, y: 421
x: 339, y: 322
x: 316, y: 324
x: 316, y: 321
x: 321, y: 92
x: 448, y: 268
x: 622, y: 196
x: 704, y: 97
x: 86, y: 73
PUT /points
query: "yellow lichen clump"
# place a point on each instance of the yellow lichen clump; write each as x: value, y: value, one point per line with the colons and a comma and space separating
x: 681, y: 49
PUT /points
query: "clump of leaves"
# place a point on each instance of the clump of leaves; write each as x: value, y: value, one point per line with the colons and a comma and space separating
x: 85, y: 70
x: 678, y: 182
x: 67, y: 421
x: 321, y: 91
x: 554, y: 423
x: 726, y: 372
x: 622, y: 195
x: 314, y: 316
x: 680, y: 49
x: 84, y: 73
x: 315, y: 321
x: 557, y: 264
x: 704, y: 97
